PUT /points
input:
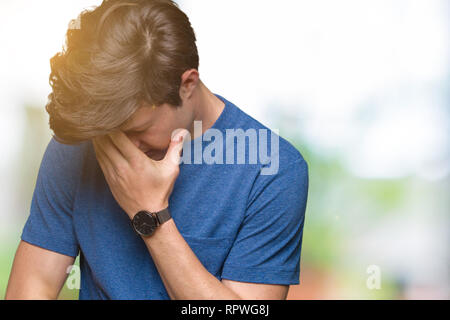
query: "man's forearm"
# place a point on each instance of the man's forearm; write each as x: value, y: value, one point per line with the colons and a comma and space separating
x: 184, y: 276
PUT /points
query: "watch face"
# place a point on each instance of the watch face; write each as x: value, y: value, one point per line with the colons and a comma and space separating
x: 145, y: 223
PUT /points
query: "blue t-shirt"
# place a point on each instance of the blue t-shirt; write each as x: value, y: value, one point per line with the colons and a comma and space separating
x: 241, y: 224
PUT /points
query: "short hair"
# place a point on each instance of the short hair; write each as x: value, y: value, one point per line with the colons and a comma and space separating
x: 118, y: 57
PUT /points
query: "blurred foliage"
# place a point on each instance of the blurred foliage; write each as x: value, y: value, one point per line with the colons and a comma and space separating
x: 36, y: 137
x: 7, y: 251
x: 72, y: 293
x: 339, y: 206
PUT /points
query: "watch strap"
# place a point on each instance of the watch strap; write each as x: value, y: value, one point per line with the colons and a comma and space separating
x: 163, y: 216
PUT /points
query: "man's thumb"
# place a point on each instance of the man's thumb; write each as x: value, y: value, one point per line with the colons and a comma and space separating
x: 176, y: 146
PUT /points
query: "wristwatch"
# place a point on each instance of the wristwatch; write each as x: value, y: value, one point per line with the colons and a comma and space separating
x: 145, y: 223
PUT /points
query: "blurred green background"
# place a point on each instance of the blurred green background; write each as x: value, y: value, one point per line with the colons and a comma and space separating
x: 361, y: 88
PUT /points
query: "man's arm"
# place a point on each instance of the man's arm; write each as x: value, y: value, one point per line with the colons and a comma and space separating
x: 139, y: 183
x: 37, y: 273
x: 185, y: 277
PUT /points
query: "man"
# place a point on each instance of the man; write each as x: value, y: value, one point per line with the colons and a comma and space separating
x: 128, y: 106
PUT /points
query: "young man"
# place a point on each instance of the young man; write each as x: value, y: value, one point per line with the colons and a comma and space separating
x: 218, y: 225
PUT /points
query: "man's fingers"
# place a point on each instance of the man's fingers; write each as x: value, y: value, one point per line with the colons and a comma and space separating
x: 111, y: 152
x: 102, y: 158
x: 124, y: 145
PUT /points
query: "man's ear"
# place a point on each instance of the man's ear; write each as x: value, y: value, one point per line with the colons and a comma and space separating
x: 189, y: 81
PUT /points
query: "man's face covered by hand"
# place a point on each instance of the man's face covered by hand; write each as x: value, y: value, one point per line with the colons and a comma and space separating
x: 151, y: 128
x: 143, y: 181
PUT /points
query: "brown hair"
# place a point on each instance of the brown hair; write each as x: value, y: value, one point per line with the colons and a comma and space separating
x: 118, y: 57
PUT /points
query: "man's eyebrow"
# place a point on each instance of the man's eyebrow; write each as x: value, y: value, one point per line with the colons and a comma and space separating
x: 122, y: 128
x: 135, y: 129
x: 131, y: 129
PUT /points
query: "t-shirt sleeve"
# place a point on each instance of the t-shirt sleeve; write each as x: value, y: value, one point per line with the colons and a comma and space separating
x: 49, y: 224
x: 268, y: 245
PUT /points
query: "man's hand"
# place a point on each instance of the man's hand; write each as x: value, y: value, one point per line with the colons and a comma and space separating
x: 136, y: 181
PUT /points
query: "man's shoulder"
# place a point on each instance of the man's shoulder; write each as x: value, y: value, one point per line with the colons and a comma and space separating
x: 67, y: 158
x: 286, y: 152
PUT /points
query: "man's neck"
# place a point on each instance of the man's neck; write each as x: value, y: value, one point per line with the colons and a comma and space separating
x: 208, y: 109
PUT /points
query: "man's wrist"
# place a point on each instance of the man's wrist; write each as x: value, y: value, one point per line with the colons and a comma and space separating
x: 162, y: 233
x: 150, y: 208
x: 147, y: 222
